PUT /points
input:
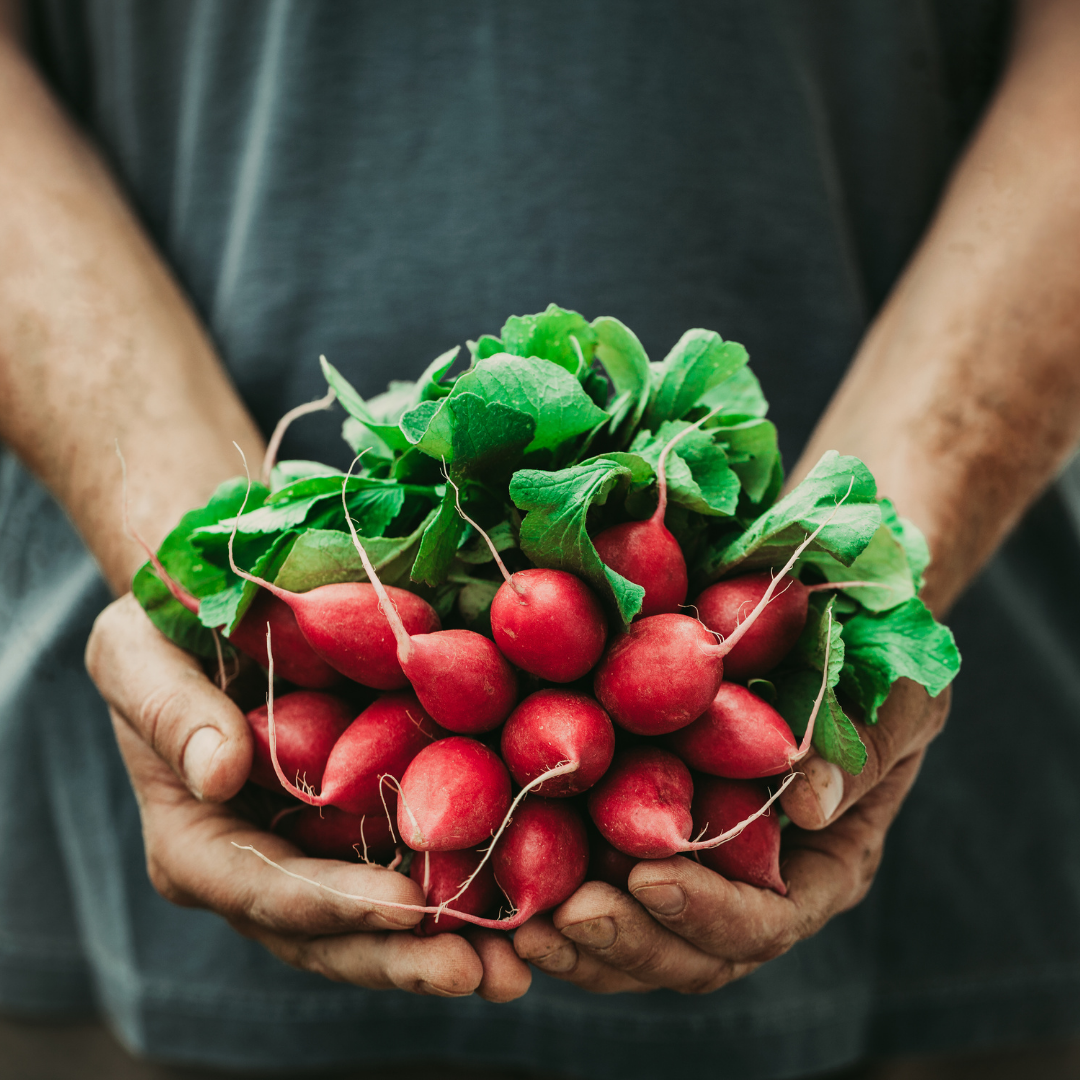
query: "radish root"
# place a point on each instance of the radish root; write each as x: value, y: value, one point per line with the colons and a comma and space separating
x: 808, y: 735
x: 395, y: 785
x: 490, y: 924
x: 736, y: 830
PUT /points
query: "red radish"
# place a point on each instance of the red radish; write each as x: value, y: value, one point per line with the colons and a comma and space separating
x: 742, y: 737
x: 764, y: 644
x: 539, y: 862
x: 645, y: 552
x: 344, y: 625
x: 297, y: 661
x: 774, y: 634
x: 378, y: 744
x: 575, y: 719
x: 642, y: 806
x: 653, y: 676
x: 440, y: 874
x: 453, y: 795
x: 754, y: 855
x: 547, y: 622
x: 609, y: 864
x: 542, y: 858
x: 308, y: 725
x: 342, y: 622
x: 660, y: 674
x: 558, y: 727
x: 329, y: 833
x: 460, y: 677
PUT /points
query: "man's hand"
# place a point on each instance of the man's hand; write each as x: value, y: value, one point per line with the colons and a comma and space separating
x: 687, y: 928
x: 187, y: 749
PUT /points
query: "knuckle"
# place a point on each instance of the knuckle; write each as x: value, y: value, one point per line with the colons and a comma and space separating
x: 310, y: 955
x: 780, y: 943
x: 158, y: 715
x: 163, y: 882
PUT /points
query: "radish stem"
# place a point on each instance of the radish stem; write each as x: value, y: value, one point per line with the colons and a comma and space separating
x: 270, y: 458
x: 388, y: 607
x: 661, y: 465
x: 487, y: 539
x: 808, y: 734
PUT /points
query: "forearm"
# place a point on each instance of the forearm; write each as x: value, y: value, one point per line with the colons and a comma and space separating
x: 965, y: 395
x: 97, y: 343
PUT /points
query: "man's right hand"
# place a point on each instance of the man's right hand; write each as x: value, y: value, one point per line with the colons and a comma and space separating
x: 188, y: 749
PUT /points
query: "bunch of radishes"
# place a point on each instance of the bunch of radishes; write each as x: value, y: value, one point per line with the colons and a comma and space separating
x: 595, y: 696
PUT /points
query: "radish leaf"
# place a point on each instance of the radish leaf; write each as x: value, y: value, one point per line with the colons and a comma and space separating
x: 540, y: 389
x: 624, y: 359
x: 553, y: 531
x: 548, y: 336
x: 325, y: 556
x: 700, y: 360
x: 741, y: 396
x: 771, y: 539
x: 698, y: 473
x: 882, y: 647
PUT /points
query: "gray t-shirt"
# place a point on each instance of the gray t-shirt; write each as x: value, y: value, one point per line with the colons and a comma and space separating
x: 378, y: 182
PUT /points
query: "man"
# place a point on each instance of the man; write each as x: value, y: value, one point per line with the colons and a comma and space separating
x: 376, y: 183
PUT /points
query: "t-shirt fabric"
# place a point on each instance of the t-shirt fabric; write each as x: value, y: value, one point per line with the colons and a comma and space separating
x: 378, y: 182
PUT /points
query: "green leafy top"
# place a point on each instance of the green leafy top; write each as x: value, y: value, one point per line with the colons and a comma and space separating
x: 553, y: 431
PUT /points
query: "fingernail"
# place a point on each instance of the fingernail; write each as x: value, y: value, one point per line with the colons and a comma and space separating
x: 558, y: 960
x: 596, y: 933
x: 198, y: 754
x: 827, y: 783
x: 663, y: 899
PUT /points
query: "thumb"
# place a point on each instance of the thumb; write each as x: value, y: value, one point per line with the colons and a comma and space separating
x: 162, y: 693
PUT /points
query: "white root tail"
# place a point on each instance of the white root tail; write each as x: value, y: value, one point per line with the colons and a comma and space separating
x: 808, y: 734
x: 736, y: 830
x: 291, y: 788
x: 491, y: 924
